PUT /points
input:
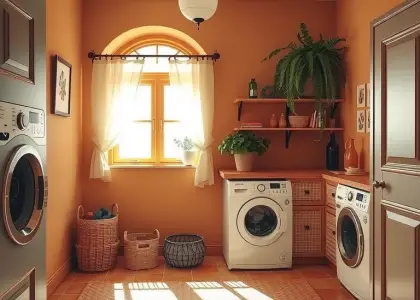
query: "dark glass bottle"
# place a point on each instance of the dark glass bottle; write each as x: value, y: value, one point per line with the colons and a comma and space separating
x: 253, y: 89
x: 332, y: 153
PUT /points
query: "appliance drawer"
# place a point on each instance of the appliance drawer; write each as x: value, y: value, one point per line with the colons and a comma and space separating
x: 307, y: 231
x: 307, y: 192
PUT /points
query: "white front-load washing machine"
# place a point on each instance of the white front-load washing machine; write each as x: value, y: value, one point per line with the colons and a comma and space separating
x: 354, y: 268
x: 257, y: 224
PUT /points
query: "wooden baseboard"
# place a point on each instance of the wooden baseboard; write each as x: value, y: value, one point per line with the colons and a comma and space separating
x: 212, y: 250
x: 58, y: 277
x: 310, y: 261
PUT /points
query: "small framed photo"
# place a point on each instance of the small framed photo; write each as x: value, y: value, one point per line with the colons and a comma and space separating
x: 368, y: 94
x: 368, y: 120
x: 61, y: 86
x: 361, y: 120
x: 361, y: 95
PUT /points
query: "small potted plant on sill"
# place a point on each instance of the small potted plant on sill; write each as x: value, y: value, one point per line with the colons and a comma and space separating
x: 244, y: 145
x: 319, y: 61
x: 188, y: 150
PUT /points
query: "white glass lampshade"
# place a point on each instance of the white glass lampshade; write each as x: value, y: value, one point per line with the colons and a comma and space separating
x: 198, y: 10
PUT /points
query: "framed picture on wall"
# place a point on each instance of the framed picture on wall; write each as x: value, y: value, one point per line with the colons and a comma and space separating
x: 61, y: 86
x: 361, y: 95
x: 361, y: 120
x: 368, y: 120
x: 368, y: 94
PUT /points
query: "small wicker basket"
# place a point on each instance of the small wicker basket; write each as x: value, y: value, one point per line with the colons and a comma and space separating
x: 96, y: 259
x: 299, y: 121
x: 97, y: 233
x: 141, y: 250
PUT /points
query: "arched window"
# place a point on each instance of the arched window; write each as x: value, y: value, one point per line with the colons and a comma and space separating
x: 150, y: 138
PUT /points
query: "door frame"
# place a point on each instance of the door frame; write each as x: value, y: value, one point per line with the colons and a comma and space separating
x: 377, y: 242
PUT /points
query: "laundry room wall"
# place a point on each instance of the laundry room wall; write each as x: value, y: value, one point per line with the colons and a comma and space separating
x: 64, y: 141
x: 353, y: 23
x: 244, y: 32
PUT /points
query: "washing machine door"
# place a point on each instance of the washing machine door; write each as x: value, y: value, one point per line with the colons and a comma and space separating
x: 350, y: 239
x: 24, y: 194
x: 261, y: 221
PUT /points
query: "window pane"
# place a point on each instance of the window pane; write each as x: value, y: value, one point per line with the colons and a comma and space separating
x: 143, y: 103
x: 174, y: 102
x: 171, y: 131
x: 136, y: 141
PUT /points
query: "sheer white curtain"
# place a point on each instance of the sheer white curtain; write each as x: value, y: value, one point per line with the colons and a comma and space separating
x: 114, y: 85
x: 196, y: 79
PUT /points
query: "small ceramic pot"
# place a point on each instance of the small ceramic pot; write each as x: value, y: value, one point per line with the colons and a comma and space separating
x: 188, y: 157
x: 244, y: 162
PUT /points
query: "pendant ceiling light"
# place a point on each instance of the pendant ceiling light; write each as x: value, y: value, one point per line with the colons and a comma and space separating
x: 198, y: 11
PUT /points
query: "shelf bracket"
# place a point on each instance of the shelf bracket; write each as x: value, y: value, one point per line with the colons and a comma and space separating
x: 239, y: 110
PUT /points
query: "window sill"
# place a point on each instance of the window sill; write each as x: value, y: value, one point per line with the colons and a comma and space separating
x: 150, y: 166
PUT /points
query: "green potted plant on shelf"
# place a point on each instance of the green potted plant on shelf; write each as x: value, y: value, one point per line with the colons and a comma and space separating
x: 320, y: 61
x: 244, y: 145
x: 189, y: 152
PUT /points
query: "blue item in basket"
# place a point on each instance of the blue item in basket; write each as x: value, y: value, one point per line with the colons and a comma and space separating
x: 103, y: 213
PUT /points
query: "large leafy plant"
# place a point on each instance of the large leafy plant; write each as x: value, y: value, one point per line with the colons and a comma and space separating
x: 242, y: 142
x: 320, y: 60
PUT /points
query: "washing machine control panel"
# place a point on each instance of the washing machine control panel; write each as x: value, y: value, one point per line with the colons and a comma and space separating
x: 17, y: 119
x: 358, y: 199
x: 272, y: 187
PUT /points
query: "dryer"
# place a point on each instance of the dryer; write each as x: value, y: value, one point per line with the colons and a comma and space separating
x: 257, y: 224
x: 353, y: 227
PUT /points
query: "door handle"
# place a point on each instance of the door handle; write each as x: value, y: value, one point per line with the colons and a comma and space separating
x: 378, y: 184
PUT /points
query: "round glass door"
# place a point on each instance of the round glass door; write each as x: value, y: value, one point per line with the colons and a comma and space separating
x: 349, y: 237
x: 23, y: 194
x: 261, y: 221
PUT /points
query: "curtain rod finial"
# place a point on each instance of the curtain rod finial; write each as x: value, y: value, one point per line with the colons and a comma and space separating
x: 216, y: 55
x: 91, y: 54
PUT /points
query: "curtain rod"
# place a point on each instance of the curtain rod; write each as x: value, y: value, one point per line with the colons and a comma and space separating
x: 92, y: 55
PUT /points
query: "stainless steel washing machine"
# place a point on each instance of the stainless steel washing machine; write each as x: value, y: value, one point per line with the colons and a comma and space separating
x: 23, y: 180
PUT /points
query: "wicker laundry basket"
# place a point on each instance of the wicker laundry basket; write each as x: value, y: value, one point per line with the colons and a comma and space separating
x: 141, y: 250
x: 97, y: 242
x: 97, y: 233
x: 96, y: 259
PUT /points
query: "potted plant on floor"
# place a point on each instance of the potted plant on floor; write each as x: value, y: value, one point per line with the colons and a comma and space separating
x: 320, y: 61
x: 244, y: 145
x: 188, y: 151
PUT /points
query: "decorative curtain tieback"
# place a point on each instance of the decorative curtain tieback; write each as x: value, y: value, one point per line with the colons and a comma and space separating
x: 204, y: 147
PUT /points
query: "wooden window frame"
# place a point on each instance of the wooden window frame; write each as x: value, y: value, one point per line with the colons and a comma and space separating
x: 158, y: 82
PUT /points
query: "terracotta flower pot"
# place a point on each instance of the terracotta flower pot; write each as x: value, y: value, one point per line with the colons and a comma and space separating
x: 188, y: 157
x: 244, y: 162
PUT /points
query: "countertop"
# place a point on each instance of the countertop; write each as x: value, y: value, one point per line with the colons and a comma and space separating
x: 361, y: 181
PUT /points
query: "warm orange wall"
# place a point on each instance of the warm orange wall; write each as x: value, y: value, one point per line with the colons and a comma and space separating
x: 353, y: 23
x: 243, y: 32
x: 63, y: 134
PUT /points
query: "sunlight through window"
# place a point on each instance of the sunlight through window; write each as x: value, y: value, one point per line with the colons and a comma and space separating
x: 246, y: 292
x: 119, y: 291
x: 150, y: 290
x: 211, y: 291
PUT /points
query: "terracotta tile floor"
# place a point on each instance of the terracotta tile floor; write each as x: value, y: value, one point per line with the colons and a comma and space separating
x: 321, y: 278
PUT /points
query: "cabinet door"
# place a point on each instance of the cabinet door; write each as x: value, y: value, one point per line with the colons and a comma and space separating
x: 308, y: 231
x: 330, y: 236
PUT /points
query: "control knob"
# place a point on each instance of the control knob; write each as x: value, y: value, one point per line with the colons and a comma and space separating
x: 261, y: 187
x: 350, y: 196
x: 22, y: 121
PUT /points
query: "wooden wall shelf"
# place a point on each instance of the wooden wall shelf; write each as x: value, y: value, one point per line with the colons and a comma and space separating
x: 289, y: 129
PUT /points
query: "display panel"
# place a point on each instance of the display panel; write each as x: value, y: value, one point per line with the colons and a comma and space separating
x: 359, y: 197
x: 274, y: 185
x: 33, y: 117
